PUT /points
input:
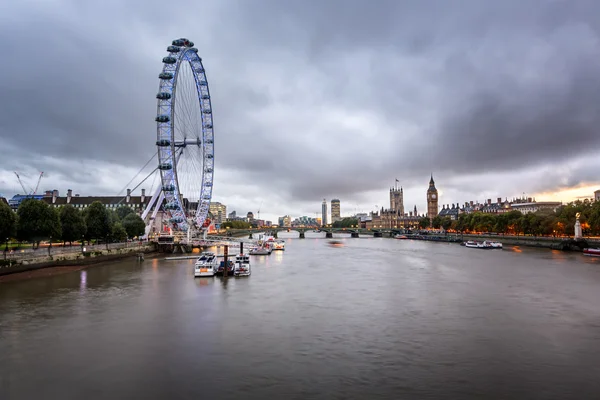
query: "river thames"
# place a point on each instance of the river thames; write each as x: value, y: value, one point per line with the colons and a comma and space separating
x: 375, y: 319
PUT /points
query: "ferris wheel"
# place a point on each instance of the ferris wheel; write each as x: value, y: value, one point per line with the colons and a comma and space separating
x: 185, y: 138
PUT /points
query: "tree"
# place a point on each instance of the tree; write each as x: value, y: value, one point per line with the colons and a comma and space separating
x: 118, y: 232
x: 8, y: 222
x: 345, y: 223
x: 236, y: 225
x: 37, y: 221
x: 436, y: 222
x: 97, y: 221
x: 72, y: 222
x: 424, y: 222
x: 446, y: 223
x: 123, y: 211
x: 134, y: 225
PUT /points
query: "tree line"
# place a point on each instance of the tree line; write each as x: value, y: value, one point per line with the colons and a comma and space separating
x: 36, y: 221
x: 543, y: 222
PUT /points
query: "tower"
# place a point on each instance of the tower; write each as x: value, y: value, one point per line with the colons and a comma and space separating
x: 432, y: 200
x: 397, y: 200
x: 324, y: 212
x: 335, y: 210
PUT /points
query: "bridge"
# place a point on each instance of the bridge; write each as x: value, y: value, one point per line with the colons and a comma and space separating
x: 353, y: 232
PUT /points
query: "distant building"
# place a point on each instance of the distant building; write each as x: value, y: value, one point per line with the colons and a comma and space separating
x: 285, y: 221
x: 335, y: 210
x: 432, y: 200
x: 250, y: 216
x: 324, y: 212
x: 397, y: 200
x: 218, y: 211
x: 232, y: 215
x: 391, y: 218
x: 597, y: 195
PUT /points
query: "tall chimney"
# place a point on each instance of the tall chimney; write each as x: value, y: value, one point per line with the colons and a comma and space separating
x: 471, y: 203
x: 499, y: 200
x: 54, y: 195
x: 69, y: 194
x: 128, y: 196
x: 489, y: 201
x: 143, y: 196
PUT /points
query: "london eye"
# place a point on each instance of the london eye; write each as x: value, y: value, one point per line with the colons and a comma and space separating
x: 185, y: 138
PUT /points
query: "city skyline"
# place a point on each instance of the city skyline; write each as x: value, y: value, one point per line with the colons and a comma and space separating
x: 440, y: 93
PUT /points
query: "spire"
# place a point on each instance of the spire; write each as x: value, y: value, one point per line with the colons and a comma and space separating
x: 431, y: 182
x: 400, y: 189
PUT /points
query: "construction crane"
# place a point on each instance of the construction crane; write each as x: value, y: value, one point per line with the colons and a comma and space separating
x: 259, y: 207
x: 21, y: 183
x: 38, y: 182
x: 32, y: 191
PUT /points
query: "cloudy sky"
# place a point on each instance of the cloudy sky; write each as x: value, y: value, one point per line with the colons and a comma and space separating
x: 312, y: 99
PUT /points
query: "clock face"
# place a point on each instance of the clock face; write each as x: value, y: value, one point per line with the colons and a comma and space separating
x: 433, y: 196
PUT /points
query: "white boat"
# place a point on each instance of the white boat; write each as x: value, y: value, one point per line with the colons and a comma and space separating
x: 279, y: 245
x: 260, y: 251
x: 495, y: 245
x: 242, y: 265
x: 478, y: 245
x: 205, y: 265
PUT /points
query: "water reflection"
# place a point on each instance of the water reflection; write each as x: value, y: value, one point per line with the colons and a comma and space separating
x: 83, y: 281
x: 378, y: 318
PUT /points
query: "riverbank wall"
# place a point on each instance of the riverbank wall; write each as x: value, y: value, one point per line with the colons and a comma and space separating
x: 565, y: 244
x: 76, y: 258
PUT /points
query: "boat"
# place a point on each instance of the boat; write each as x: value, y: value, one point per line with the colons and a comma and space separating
x: 336, y: 243
x: 205, y: 265
x: 260, y: 251
x: 478, y: 245
x: 400, y: 237
x: 495, y: 245
x: 242, y: 265
x: 591, y: 252
x: 230, y: 268
x: 279, y: 245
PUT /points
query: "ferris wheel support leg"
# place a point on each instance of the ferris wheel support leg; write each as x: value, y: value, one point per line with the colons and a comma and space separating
x: 151, y: 203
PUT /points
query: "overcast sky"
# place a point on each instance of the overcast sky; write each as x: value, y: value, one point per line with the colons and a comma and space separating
x: 312, y: 99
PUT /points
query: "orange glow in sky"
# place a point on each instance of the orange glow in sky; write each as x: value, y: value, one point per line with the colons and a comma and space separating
x: 567, y: 195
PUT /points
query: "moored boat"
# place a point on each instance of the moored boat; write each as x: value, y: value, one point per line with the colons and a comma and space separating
x: 495, y: 245
x: 242, y: 265
x: 205, y: 265
x: 221, y: 268
x: 592, y: 252
x: 400, y: 237
x: 260, y: 251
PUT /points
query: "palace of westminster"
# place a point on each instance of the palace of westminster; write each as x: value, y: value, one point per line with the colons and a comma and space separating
x: 397, y: 217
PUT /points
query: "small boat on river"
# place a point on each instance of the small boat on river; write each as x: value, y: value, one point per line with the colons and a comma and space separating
x: 472, y: 244
x: 242, y: 265
x: 230, y: 268
x: 279, y: 245
x: 336, y: 243
x: 205, y: 265
x: 591, y: 252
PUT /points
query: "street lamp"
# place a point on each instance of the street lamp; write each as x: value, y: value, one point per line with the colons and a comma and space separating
x: 82, y: 237
x: 50, y: 246
x: 6, y: 248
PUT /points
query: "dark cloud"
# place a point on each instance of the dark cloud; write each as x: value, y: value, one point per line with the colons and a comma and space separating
x: 312, y: 99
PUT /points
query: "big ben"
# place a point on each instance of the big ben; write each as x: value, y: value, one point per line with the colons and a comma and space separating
x: 432, y: 200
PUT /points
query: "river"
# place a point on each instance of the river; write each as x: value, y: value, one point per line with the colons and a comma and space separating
x: 375, y: 319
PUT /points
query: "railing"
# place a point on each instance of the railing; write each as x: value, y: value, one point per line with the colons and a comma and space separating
x: 19, y: 254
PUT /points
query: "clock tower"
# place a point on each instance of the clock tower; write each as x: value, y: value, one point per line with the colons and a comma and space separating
x: 432, y: 200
